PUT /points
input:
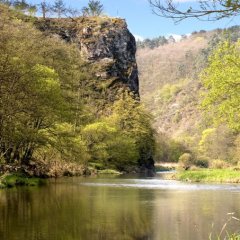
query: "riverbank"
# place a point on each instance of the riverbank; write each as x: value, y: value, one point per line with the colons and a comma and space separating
x: 9, y: 180
x: 35, y: 173
x: 17, y: 179
x: 208, y: 175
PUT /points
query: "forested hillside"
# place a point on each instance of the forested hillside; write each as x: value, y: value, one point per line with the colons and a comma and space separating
x: 171, y: 87
x: 68, y: 97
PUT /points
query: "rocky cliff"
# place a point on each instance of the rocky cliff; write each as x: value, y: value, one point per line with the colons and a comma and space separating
x: 104, y: 42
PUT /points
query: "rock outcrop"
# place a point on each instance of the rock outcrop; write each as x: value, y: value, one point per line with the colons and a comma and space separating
x: 106, y: 43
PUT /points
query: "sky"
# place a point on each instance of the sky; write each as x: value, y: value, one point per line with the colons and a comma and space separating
x: 144, y: 24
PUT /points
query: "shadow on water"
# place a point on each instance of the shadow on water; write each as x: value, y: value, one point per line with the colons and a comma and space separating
x: 116, y: 208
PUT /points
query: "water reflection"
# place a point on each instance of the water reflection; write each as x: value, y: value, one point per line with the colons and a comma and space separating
x: 75, y: 209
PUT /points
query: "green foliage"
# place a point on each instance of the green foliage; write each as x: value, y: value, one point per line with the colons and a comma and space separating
x: 152, y: 43
x: 59, y: 8
x: 122, y: 139
x: 168, y: 91
x: 202, y: 162
x: 167, y: 150
x: 13, y: 180
x: 97, y: 136
x: 222, y: 81
x: 52, y: 107
x: 216, y: 143
x: 68, y: 142
x: 21, y: 6
x: 207, y: 141
x: 134, y: 121
x: 176, y: 110
x: 94, y: 8
x: 40, y: 94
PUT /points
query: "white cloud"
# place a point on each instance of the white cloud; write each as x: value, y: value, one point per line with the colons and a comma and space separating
x: 138, y: 38
x: 177, y: 37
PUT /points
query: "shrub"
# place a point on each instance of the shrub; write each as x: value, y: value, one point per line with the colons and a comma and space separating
x: 186, y: 161
x: 194, y: 168
x: 219, y: 164
x: 170, y: 90
x: 202, y: 162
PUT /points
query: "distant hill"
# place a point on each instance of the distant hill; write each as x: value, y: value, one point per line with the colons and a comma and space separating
x: 168, y: 78
x: 170, y: 86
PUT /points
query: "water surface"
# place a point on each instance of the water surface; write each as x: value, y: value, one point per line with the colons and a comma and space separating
x: 118, y: 208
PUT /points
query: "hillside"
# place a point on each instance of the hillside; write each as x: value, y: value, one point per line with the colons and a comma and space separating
x: 169, y: 82
x: 171, y: 89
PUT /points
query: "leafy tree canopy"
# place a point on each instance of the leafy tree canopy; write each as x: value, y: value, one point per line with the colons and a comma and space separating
x: 94, y: 8
x: 222, y: 81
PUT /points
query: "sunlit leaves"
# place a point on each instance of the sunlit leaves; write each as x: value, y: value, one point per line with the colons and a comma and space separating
x: 222, y: 81
x: 39, y: 91
x: 122, y: 139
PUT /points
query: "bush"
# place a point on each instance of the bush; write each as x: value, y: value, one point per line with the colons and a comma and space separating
x: 186, y: 161
x: 219, y: 164
x: 202, y: 162
x: 194, y: 168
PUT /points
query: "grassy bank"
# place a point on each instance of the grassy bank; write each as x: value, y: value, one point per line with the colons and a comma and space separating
x: 209, y: 175
x: 13, y: 180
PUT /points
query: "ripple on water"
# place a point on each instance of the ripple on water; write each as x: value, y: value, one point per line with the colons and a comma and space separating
x: 164, y: 184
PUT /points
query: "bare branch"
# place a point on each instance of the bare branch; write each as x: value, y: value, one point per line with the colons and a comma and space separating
x: 204, y: 10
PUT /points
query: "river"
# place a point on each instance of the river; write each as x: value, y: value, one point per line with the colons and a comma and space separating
x: 121, y: 208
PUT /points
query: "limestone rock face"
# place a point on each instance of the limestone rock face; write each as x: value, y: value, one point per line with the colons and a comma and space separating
x: 106, y: 43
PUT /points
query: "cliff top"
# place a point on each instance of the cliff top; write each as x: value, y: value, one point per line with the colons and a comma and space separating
x: 82, y: 25
x: 97, y: 23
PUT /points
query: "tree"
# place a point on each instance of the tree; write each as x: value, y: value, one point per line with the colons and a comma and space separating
x: 59, y: 8
x: 20, y: 5
x: 123, y: 139
x: 201, y: 9
x: 40, y: 103
x: 72, y: 12
x: 222, y: 82
x: 109, y: 147
x: 50, y: 103
x: 32, y: 9
x: 6, y: 2
x: 215, y: 143
x: 94, y: 8
x: 44, y: 8
x: 132, y: 120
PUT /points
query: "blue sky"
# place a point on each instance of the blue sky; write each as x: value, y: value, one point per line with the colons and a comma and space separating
x: 142, y: 22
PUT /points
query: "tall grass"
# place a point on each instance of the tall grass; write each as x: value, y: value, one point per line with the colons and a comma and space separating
x: 224, y: 233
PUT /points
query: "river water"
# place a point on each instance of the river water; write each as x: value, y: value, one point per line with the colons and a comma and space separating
x: 121, y: 208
